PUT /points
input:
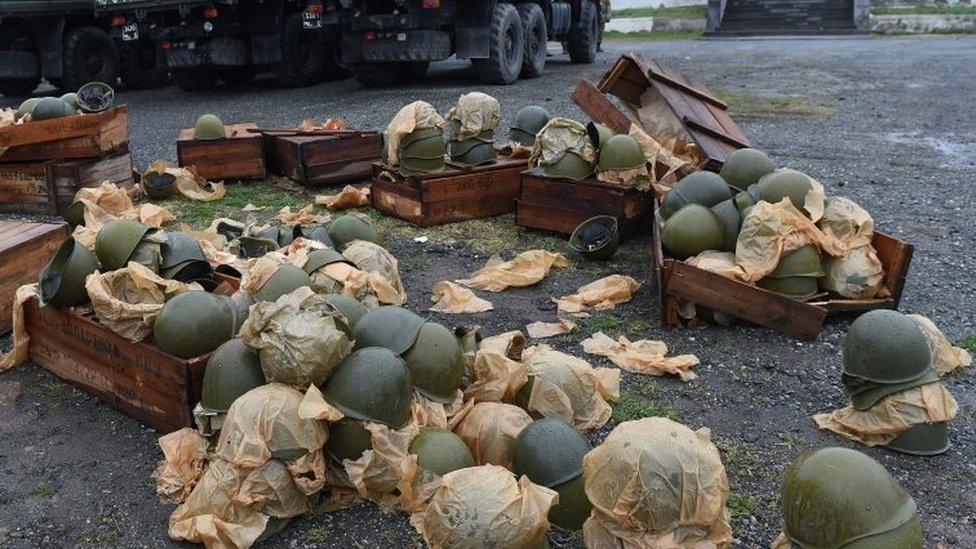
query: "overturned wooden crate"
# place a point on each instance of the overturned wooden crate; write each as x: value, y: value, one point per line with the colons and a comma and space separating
x: 239, y: 155
x: 315, y: 160
x: 49, y: 187
x: 25, y: 248
x: 459, y: 194
x: 560, y: 205
x: 79, y: 136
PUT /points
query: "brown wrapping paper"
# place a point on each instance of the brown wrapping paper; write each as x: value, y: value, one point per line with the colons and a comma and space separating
x: 490, y: 430
x: 415, y: 116
x: 559, y: 136
x: 497, y: 378
x: 570, y: 388
x: 184, y: 461
x: 304, y: 216
x: 602, y: 294
x: 365, y: 286
x: 475, y: 112
x: 510, y: 344
x: 525, y: 269
x: 20, y: 351
x: 858, y: 274
x: 373, y: 258
x: 348, y: 197
x: 642, y: 357
x: 450, y: 298
x: 189, y: 184
x: 946, y: 358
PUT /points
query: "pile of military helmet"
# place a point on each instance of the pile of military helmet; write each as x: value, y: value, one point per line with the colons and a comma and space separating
x: 90, y: 98
x: 567, y: 149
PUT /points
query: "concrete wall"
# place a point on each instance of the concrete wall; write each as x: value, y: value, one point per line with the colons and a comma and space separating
x: 656, y: 24
x: 906, y: 3
x: 923, y: 23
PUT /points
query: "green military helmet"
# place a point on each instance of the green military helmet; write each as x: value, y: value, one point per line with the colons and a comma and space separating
x: 62, y: 281
x: 435, y: 363
x: 320, y: 258
x: 597, y: 238
x: 796, y: 273
x: 703, y: 188
x: 569, y: 166
x: 158, y: 185
x: 232, y: 370
x: 574, y: 505
x: 784, y: 183
x: 836, y: 497
x: 116, y: 241
x: 285, y: 280
x: 71, y: 99
x: 743, y: 200
x: 691, y: 231
x: 599, y: 134
x: 348, y: 306
x: 924, y: 439
x: 745, y: 167
x: 371, y: 384
x: 47, y: 108
x: 95, y: 97
x: 422, y: 154
x: 744, y: 214
x: 178, y: 250
x: 346, y: 228
x: 440, y: 451
x: 209, y: 127
x: 251, y: 247
x: 282, y: 235
x: 474, y: 151
x: 316, y: 232
x: 421, y: 134
x: 193, y: 323
x: 74, y: 214
x: 621, y: 152
x: 348, y: 439
x: 527, y: 123
x: 26, y: 107
x: 390, y: 327
x: 729, y: 214
x: 796, y: 287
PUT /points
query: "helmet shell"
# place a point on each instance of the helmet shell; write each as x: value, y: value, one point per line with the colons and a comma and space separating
x: 316, y: 232
x: 251, y: 247
x: 924, y: 439
x: 348, y: 306
x: 621, y: 152
x: 27, y: 106
x: 527, y: 123
x: 599, y: 134
x: 50, y: 107
x: 803, y: 261
x: 158, y: 186
x: 390, y: 327
x: 745, y: 167
x: 62, y: 281
x: 729, y: 214
x: 285, y: 280
x: 440, y: 451
x: 573, y: 507
x: 550, y: 452
x: 692, y: 230
x: 743, y: 201
x: 95, y: 97
x: 74, y: 214
x: 569, y: 166
x: 348, y: 439
x: 422, y: 151
x: 435, y: 363
x: 785, y: 183
x: 179, y: 249
x: 702, y: 187
x: 346, y: 228
x: 371, y: 384
x: 320, y: 258
x: 472, y: 152
x: 797, y: 287
x: 116, y: 241
x: 71, y: 99
x: 597, y: 238
x: 835, y: 496
x: 209, y: 127
x: 232, y: 370
x: 886, y: 347
x: 193, y: 323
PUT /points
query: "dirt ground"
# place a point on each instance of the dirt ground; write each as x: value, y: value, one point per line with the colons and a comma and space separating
x: 886, y: 122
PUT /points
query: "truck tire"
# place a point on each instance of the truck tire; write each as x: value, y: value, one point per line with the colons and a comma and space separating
x: 141, y: 67
x: 18, y: 86
x: 536, y: 37
x: 583, y: 37
x: 506, y: 47
x: 302, y: 54
x: 192, y: 81
x: 89, y: 56
x: 333, y: 69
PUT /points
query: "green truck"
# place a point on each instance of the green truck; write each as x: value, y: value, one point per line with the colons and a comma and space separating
x: 58, y: 40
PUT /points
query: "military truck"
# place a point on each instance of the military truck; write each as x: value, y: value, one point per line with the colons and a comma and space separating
x: 390, y: 40
x: 204, y: 42
x: 58, y: 40
x: 134, y: 27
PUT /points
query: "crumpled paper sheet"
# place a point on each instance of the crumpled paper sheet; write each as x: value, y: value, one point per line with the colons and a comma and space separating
x: 108, y: 201
x: 496, y: 377
x: 655, y: 483
x: 946, y: 358
x: 476, y: 112
x: 365, y: 286
x: 128, y: 300
x: 559, y: 136
x: 674, y: 155
x: 260, y: 269
x: 490, y: 430
x: 21, y: 338
x: 510, y: 344
x: 605, y: 293
x: 215, y: 247
x: 486, y: 507
x: 416, y: 115
x: 570, y: 388
x: 448, y: 297
x: 639, y: 178
x: 844, y: 220
x: 184, y: 461
x: 772, y: 230
x: 348, y: 197
x: 309, y: 125
x: 643, y: 356
x: 189, y: 184
x: 541, y: 330
x: 525, y: 269
x: 376, y: 475
x: 720, y: 263
x: 373, y: 258
x: 858, y: 274
x: 304, y: 216
x: 299, y: 338
x: 8, y: 117
x: 893, y: 415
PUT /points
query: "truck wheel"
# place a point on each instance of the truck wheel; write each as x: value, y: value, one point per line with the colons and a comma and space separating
x: 506, y: 47
x: 89, y: 56
x: 192, y: 81
x: 141, y: 66
x: 18, y: 86
x: 584, y: 36
x: 536, y: 37
x: 376, y: 75
x: 333, y: 69
x: 302, y: 54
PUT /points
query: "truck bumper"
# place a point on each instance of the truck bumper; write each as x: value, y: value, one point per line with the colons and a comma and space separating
x: 16, y: 65
x: 394, y: 46
x: 207, y: 52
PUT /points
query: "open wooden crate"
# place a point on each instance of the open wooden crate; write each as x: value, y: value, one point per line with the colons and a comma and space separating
x: 315, y: 160
x: 79, y: 136
x: 240, y: 155
x: 49, y: 187
x: 25, y: 248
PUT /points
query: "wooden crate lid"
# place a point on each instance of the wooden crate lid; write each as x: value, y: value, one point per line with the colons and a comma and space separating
x: 16, y: 234
x: 56, y: 129
x: 233, y: 131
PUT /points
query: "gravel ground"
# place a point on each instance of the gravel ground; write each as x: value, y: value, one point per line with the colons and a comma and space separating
x: 886, y: 122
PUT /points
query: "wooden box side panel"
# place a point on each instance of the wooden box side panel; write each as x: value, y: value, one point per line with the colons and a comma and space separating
x: 397, y: 201
x: 68, y: 177
x: 284, y: 157
x: 346, y: 171
x: 240, y: 156
x: 58, y: 129
x: 560, y: 205
x: 342, y: 149
x: 24, y: 250
x: 24, y: 188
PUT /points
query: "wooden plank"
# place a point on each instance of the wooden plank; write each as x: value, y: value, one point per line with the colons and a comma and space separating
x: 24, y: 250
x: 45, y: 131
x: 599, y: 107
x: 238, y: 156
x: 50, y: 186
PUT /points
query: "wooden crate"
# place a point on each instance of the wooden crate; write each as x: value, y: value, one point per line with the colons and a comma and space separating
x: 81, y: 136
x: 560, y: 205
x: 48, y: 187
x: 677, y: 280
x: 240, y: 155
x: 315, y: 160
x: 25, y: 248
x: 459, y: 194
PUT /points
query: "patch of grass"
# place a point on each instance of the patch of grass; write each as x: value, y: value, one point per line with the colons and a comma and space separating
x: 317, y: 534
x: 102, y: 535
x: 676, y: 12
x: 270, y: 196
x: 968, y: 343
x: 53, y: 389
x: 741, y: 506
x: 921, y: 10
x: 653, y: 36
x: 789, y: 440
x: 42, y: 490
x: 629, y: 407
x: 416, y: 261
x: 752, y: 105
x: 612, y: 325
x: 490, y: 236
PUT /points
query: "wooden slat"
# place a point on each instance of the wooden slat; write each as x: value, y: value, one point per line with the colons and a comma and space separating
x: 238, y: 156
x: 25, y: 248
x: 599, y: 107
x: 44, y: 131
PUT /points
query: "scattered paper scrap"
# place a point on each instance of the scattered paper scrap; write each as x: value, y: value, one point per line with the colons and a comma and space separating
x: 525, y: 269
x: 540, y: 330
x: 422, y: 239
x: 251, y: 208
x: 448, y: 297
x: 644, y: 356
x: 946, y: 358
x: 305, y: 216
x: 605, y: 293
x: 348, y: 197
x: 189, y: 184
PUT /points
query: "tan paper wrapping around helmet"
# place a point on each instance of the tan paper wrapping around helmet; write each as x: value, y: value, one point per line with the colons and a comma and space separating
x: 772, y: 230
x: 525, y: 269
x: 486, y: 507
x: 184, y: 461
x: 377, y: 474
x: 128, y: 300
x: 303, y: 216
x: 370, y: 288
x: 946, y: 358
x: 559, y: 136
x: 260, y: 269
x: 348, y: 197
x: 570, y: 388
x: 450, y: 298
x: 21, y: 348
x: 490, y: 430
x: 299, y: 338
x: 639, y: 178
x: 605, y: 293
x: 510, y: 344
x: 671, y: 153
x: 858, y: 274
x: 476, y: 112
x: 642, y: 357
x: 497, y: 378
x: 655, y: 483
x: 373, y: 258
x: 542, y: 330
x: 415, y: 116
x: 844, y: 220
x: 720, y: 263
x: 189, y: 184
x: 893, y: 415
x: 215, y: 246
x: 109, y: 201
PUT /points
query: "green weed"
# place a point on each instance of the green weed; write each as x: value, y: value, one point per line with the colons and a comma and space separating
x: 922, y: 10
x: 752, y: 105
x: 741, y: 506
x: 629, y: 407
x: 42, y: 490
x: 652, y: 36
x: 676, y: 12
x: 968, y: 343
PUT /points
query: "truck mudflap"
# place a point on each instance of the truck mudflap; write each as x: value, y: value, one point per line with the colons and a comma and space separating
x: 407, y: 45
x: 18, y: 65
x: 209, y: 52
